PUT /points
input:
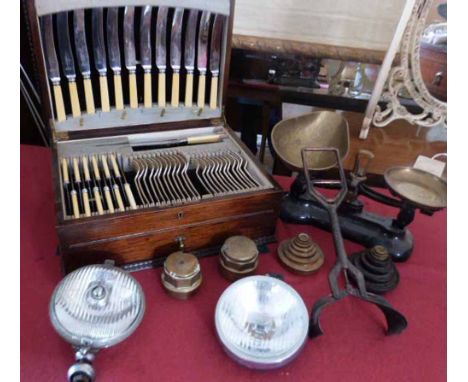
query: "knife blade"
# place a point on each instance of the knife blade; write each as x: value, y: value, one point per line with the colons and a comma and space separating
x: 129, y: 54
x: 161, y: 27
x: 215, y: 54
x: 175, y: 53
x: 99, y: 50
x: 145, y: 52
x: 52, y: 65
x: 83, y: 57
x: 202, y: 57
x: 189, y: 55
x: 68, y: 64
x: 113, y: 49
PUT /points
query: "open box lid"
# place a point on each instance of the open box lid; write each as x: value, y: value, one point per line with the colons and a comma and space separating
x: 140, y: 119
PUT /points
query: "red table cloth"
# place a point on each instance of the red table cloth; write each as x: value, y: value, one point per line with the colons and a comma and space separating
x: 177, y: 341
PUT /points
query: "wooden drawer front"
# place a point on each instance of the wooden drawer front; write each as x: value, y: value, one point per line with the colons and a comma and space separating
x: 145, y: 246
x: 100, y: 228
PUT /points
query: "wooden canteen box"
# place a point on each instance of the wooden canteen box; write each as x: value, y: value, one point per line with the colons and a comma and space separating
x: 144, y: 162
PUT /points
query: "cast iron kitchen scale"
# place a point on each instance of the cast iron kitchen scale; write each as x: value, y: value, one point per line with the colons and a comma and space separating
x: 414, y: 189
x: 144, y: 163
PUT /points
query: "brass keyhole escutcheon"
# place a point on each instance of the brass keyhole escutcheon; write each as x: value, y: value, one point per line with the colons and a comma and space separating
x: 180, y: 215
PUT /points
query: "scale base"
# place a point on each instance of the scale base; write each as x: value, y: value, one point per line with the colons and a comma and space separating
x: 359, y: 226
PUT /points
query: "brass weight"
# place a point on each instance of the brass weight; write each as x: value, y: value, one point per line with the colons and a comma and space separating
x: 300, y: 254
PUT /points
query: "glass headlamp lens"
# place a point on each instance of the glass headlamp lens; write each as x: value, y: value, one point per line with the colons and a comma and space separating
x: 262, y: 322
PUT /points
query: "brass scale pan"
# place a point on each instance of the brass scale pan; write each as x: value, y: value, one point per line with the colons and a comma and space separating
x: 329, y: 129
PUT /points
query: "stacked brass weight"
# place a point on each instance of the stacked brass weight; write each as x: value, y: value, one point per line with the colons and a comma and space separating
x: 378, y: 269
x: 181, y: 276
x: 238, y: 258
x: 300, y: 254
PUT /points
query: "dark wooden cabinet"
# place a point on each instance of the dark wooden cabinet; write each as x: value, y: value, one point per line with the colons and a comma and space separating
x: 433, y: 61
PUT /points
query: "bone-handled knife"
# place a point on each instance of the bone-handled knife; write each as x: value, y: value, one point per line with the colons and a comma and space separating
x: 66, y: 187
x: 113, y: 50
x: 161, y: 27
x: 215, y: 49
x: 189, y: 55
x: 100, y: 60
x: 83, y: 57
x: 202, y: 57
x: 68, y: 64
x: 129, y: 53
x: 145, y: 54
x: 175, y: 54
x: 52, y: 65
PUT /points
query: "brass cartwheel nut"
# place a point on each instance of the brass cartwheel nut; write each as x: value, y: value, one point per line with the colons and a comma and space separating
x: 300, y: 254
x: 238, y: 258
x: 181, y: 276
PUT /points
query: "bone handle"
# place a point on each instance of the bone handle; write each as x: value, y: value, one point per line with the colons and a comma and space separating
x: 131, y: 199
x: 189, y: 90
x: 148, y: 91
x: 115, y: 166
x: 97, y: 198
x: 119, y: 198
x: 205, y: 139
x: 175, y: 90
x: 201, y: 91
x: 59, y: 107
x: 118, y: 92
x: 89, y: 96
x: 214, y: 92
x: 105, y: 166
x: 133, y: 90
x: 105, y: 106
x: 76, y: 209
x: 84, y: 161
x: 66, y: 178
x: 108, y: 197
x: 76, y: 170
x: 162, y: 89
x: 97, y: 175
x: 87, y: 208
x: 75, y: 102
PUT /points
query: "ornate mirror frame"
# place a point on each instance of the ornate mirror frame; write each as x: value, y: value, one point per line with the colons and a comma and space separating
x: 405, y: 76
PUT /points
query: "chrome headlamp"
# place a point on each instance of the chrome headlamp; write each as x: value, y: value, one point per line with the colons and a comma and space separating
x: 92, y: 308
x: 262, y: 322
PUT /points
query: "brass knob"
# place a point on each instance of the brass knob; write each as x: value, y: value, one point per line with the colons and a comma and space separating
x: 438, y: 78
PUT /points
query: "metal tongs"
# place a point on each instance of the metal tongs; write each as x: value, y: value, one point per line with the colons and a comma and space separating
x: 396, y: 322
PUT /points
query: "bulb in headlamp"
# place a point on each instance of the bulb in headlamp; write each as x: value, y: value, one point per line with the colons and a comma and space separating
x: 262, y: 322
x: 95, y: 307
